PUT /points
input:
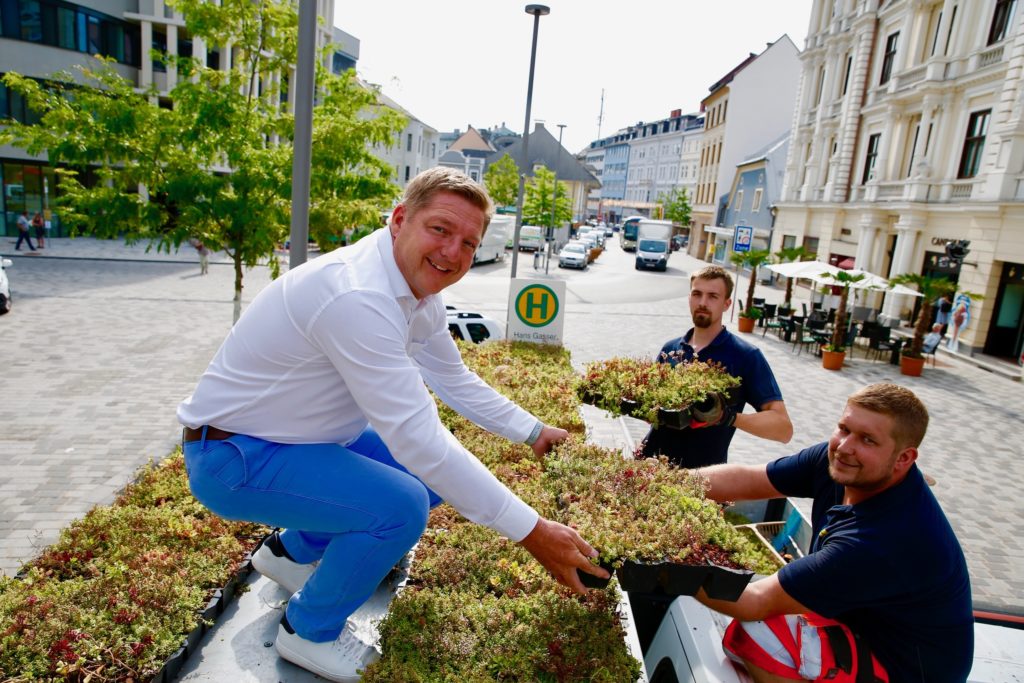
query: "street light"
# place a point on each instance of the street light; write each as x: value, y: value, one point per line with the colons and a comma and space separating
x: 537, y: 11
x: 554, y: 197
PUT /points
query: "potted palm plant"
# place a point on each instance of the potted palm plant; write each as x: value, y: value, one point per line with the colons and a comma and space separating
x: 931, y: 288
x: 753, y: 258
x: 833, y: 354
x: 785, y: 255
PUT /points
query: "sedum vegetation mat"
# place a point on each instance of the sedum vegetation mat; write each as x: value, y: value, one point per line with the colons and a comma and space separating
x: 121, y: 589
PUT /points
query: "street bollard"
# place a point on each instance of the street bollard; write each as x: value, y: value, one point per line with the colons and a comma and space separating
x: 536, y: 260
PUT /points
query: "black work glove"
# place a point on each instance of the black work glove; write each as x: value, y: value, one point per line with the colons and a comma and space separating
x: 712, y: 412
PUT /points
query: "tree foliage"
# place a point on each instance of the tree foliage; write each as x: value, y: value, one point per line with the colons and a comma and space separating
x: 502, y: 181
x: 216, y: 164
x: 675, y: 206
x: 752, y: 259
x: 787, y: 254
x: 540, y: 190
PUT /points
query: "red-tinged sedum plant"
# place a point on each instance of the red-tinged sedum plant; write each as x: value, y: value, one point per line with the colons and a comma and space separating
x: 116, y: 595
x: 651, y: 385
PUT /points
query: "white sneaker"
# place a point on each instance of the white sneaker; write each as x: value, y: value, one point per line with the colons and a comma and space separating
x: 338, y: 660
x: 272, y: 561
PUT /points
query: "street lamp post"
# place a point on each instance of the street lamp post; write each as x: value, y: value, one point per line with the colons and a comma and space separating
x: 554, y: 197
x: 537, y: 11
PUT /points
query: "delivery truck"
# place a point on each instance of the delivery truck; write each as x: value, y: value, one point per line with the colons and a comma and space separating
x: 653, y: 244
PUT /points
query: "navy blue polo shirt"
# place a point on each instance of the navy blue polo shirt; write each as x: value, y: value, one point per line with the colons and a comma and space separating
x: 889, y: 567
x: 693, y: 448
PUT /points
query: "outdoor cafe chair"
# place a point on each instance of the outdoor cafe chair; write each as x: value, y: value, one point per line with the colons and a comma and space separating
x: 880, y: 341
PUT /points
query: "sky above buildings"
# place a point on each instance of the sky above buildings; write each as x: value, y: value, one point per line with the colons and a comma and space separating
x: 458, y: 62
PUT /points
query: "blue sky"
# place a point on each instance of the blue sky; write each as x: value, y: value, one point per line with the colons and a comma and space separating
x: 458, y: 62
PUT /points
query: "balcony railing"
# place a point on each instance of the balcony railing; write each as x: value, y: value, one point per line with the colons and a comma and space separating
x: 911, y: 76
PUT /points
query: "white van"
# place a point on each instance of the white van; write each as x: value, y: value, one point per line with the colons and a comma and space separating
x: 531, y: 238
x: 492, y: 246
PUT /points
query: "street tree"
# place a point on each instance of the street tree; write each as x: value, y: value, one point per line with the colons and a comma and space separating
x: 502, y: 181
x: 787, y: 254
x: 537, y: 204
x: 216, y: 164
x: 675, y: 206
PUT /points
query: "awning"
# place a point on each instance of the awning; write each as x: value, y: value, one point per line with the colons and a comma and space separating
x: 720, y: 230
x: 846, y: 264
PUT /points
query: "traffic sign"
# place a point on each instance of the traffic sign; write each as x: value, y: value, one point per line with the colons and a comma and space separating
x: 744, y: 236
x: 535, y: 311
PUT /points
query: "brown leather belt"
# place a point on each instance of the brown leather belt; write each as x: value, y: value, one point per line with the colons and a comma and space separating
x: 212, y: 434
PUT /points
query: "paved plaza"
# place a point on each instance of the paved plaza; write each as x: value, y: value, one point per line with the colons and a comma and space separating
x: 105, y: 340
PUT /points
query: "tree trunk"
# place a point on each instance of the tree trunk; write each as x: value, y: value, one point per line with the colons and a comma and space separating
x: 839, y: 326
x: 237, y: 258
x: 789, y: 291
x: 750, y: 289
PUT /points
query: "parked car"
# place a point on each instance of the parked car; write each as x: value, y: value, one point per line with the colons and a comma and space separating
x: 473, y: 326
x: 574, y: 255
x: 679, y: 242
x: 5, y: 286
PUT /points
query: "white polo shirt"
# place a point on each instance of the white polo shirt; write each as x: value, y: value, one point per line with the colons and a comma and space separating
x: 341, y: 342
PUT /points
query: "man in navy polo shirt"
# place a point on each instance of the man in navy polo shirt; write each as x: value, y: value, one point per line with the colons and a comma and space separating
x: 885, y: 586
x: 708, y: 442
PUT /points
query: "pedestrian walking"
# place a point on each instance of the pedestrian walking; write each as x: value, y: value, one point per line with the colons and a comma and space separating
x: 24, y: 228
x: 204, y: 255
x: 38, y: 226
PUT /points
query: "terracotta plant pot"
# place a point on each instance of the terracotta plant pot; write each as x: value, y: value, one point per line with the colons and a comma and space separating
x: 746, y: 324
x: 911, y: 366
x: 832, y: 360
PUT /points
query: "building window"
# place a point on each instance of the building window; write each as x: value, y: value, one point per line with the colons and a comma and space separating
x: 408, y: 143
x: 889, y: 58
x: 756, y: 206
x: 433, y: 150
x: 974, y: 144
x: 846, y: 77
x: 872, y: 156
x: 1000, y: 20
x: 407, y: 171
x: 737, y: 204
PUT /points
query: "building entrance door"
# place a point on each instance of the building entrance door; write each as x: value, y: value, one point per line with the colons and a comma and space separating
x: 1006, y: 335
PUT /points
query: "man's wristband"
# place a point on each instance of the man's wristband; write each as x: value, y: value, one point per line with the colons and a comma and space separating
x: 535, y: 434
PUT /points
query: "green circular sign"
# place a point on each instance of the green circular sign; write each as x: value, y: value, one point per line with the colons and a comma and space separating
x: 536, y: 305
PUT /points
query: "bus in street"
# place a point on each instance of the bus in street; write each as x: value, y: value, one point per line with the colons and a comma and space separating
x: 629, y: 228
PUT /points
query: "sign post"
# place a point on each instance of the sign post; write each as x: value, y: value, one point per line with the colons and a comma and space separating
x: 535, y: 311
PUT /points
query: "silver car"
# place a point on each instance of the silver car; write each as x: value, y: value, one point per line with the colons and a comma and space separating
x: 573, y: 255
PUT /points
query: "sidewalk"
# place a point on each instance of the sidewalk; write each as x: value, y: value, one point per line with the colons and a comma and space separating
x: 108, y: 250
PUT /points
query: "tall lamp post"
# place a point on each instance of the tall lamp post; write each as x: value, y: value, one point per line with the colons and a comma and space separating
x: 537, y: 11
x: 554, y: 198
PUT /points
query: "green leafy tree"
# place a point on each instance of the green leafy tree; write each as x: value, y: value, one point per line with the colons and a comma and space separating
x: 675, y: 206
x: 752, y: 259
x: 539, y: 193
x: 787, y: 254
x: 216, y: 164
x: 502, y: 181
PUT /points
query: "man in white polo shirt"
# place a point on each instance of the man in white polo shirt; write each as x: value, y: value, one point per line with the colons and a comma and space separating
x: 315, y: 416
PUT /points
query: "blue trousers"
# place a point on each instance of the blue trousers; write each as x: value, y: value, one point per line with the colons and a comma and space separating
x: 353, y: 508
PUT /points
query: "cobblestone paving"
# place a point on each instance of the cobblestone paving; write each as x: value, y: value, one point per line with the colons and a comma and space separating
x: 99, y: 353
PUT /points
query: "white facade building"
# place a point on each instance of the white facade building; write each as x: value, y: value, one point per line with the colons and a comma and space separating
x: 909, y: 133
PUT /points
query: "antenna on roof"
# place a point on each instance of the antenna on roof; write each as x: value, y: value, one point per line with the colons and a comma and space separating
x: 600, y: 115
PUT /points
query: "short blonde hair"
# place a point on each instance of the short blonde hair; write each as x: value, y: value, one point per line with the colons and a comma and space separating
x: 714, y: 273
x: 909, y: 416
x: 425, y: 186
